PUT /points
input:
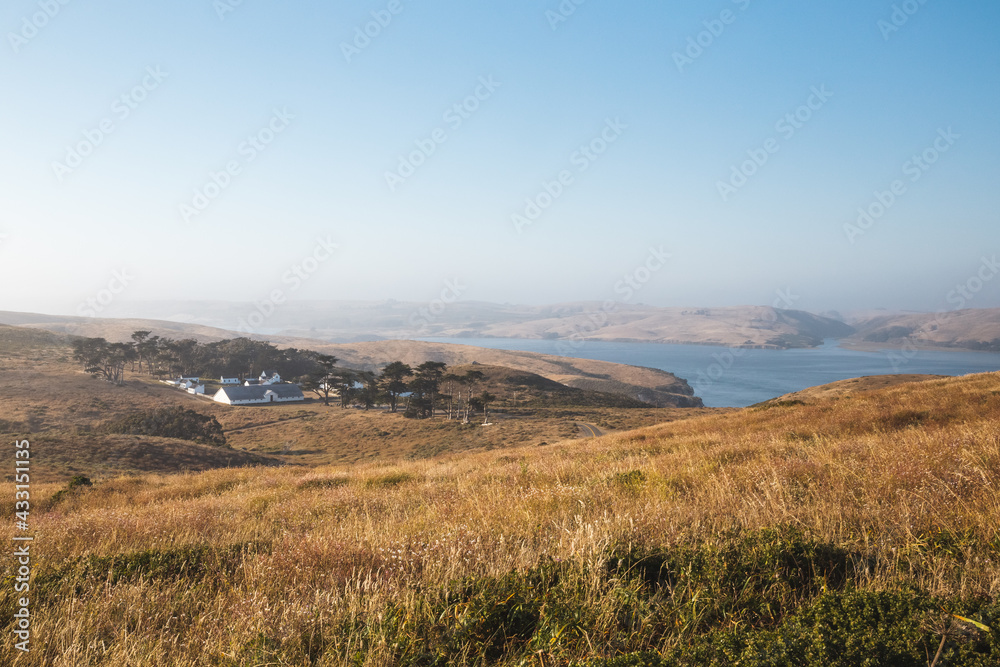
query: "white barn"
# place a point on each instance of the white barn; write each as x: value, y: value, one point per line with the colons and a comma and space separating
x: 267, y: 378
x: 190, y: 385
x: 259, y: 395
x: 225, y: 380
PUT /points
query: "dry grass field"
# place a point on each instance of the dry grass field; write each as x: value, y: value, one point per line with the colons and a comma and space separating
x: 841, y: 530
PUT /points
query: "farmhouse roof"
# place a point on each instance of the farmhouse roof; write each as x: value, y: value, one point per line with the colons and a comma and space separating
x: 260, y: 391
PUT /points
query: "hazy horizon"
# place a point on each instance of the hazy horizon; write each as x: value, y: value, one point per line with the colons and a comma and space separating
x: 386, y: 319
x: 839, y: 156
x: 122, y: 309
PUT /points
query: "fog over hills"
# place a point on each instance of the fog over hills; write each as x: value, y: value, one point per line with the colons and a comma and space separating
x: 362, y: 321
x: 349, y: 321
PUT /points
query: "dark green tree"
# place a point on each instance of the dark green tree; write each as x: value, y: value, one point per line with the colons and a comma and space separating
x: 368, y: 393
x: 469, y: 381
x: 345, y: 382
x: 451, y: 382
x: 103, y: 359
x: 321, y: 382
x: 392, y: 382
x: 485, y: 399
x: 151, y: 348
x: 424, y: 386
x: 139, y: 339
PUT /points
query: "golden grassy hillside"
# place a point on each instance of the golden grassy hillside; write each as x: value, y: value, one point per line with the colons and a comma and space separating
x: 843, y: 531
x: 844, y: 388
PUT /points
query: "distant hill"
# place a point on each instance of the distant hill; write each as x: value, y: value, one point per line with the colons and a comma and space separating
x: 22, y: 340
x: 112, y: 328
x: 346, y: 321
x: 977, y: 329
x: 743, y: 326
x: 359, y: 322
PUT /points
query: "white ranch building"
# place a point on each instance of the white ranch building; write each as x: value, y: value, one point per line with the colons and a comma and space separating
x: 266, y: 378
x: 188, y: 384
x: 259, y: 394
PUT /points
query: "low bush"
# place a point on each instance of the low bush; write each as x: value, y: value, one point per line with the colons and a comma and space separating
x: 173, y: 422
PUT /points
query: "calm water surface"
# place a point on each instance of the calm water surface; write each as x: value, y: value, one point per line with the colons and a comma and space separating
x: 728, y: 378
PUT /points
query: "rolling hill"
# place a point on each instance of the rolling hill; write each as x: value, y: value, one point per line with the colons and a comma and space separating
x: 352, y: 322
x: 977, y: 329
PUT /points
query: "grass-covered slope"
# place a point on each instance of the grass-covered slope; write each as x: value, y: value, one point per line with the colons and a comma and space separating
x: 840, y: 531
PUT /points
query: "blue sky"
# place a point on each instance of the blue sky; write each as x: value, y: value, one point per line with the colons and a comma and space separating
x: 671, y: 121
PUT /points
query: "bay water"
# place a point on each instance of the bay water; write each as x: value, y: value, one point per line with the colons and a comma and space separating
x: 725, y: 377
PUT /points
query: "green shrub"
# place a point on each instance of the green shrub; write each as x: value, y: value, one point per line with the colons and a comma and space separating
x: 755, y: 578
x: 485, y: 619
x: 769, y: 598
x: 388, y: 480
x: 630, y: 481
x: 76, y: 482
x: 323, y: 482
x: 838, y: 629
x: 188, y: 563
x: 173, y: 422
x: 766, y: 405
x: 906, y: 419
